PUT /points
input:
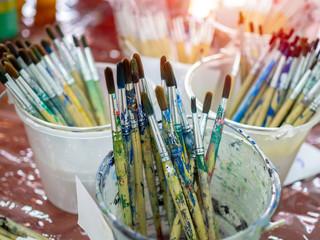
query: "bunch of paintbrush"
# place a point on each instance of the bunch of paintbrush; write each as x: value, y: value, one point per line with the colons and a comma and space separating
x: 282, y: 84
x: 61, y: 88
x: 176, y: 152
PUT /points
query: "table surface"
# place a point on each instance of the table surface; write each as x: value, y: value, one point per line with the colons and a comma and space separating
x: 22, y: 197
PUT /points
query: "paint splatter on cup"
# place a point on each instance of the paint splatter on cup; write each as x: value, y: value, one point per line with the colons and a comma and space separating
x: 245, y: 189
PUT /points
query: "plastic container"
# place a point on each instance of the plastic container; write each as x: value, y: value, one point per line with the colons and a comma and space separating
x: 245, y: 190
x: 281, y: 144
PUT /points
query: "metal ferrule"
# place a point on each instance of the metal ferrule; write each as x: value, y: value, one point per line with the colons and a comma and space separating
x: 164, y: 85
x: 293, y: 68
x: 84, y: 68
x: 160, y: 144
x: 284, y: 81
x: 300, y: 84
x: 70, y: 50
x: 50, y: 72
x: 203, y: 124
x: 144, y: 86
x: 315, y: 104
x: 125, y: 119
x: 53, y: 69
x: 173, y: 104
x: 63, y: 55
x: 196, y: 131
x: 132, y: 117
x: 296, y: 74
x: 236, y: 64
x: 185, y: 123
x: 313, y: 91
x: 141, y: 116
x: 66, y: 75
x: 91, y: 64
x: 277, y: 73
x: 15, y: 95
x: 113, y: 106
x: 56, y: 88
x: 305, y: 62
x: 42, y: 82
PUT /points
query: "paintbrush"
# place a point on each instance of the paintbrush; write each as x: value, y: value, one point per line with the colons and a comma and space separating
x: 90, y: 85
x: 163, y: 60
x: 180, y: 164
x: 27, y: 43
x: 120, y: 158
x: 81, y: 96
x: 308, y: 112
x: 267, y: 97
x: 38, y: 103
x: 35, y: 87
x: 147, y: 154
x: 213, y: 232
x: 67, y: 89
x: 140, y: 215
x: 244, y: 62
x: 94, y: 74
x: 18, y: 42
x: 205, y: 110
x: 249, y: 98
x: 169, y: 171
x: 126, y: 132
x: 8, y: 82
x: 70, y: 66
x: 17, y: 56
x: 213, y: 148
x: 286, y: 107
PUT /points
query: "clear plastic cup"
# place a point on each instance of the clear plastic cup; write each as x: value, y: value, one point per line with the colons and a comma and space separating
x: 281, y: 144
x: 245, y: 189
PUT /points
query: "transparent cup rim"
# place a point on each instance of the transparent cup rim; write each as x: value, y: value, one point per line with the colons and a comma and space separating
x: 259, y: 224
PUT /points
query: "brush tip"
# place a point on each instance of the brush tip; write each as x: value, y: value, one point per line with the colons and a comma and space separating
x: 33, y: 58
x: 36, y: 52
x: 19, y: 43
x: 134, y: 69
x: 159, y: 91
x: 241, y: 18
x: 260, y: 29
x: 120, y: 75
x: 84, y: 41
x: 170, y: 79
x: 146, y: 104
x: 27, y: 42
x: 109, y: 80
x: 14, y: 62
x: 46, y: 46
x: 193, y: 105
x: 50, y: 32
x: 75, y: 40
x: 127, y: 70
x: 12, y: 48
x: 59, y: 31
x: 251, y: 27
x: 163, y: 60
x: 137, y: 57
x: 11, y: 70
x: 207, y: 102
x: 40, y: 49
x: 23, y: 54
x: 227, y: 87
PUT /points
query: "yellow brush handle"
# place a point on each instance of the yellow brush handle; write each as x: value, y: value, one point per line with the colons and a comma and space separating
x: 305, y: 116
x: 79, y: 81
x: 253, y: 117
x: 298, y: 100
x: 294, y: 114
x: 265, y: 106
x: 77, y: 104
x: 181, y: 51
x: 49, y: 117
x: 195, y: 54
x: 176, y: 228
x: 282, y: 113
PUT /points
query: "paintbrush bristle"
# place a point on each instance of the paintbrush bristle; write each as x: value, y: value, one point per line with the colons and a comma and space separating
x: 207, y: 102
x: 260, y: 29
x: 137, y: 57
x: 84, y: 41
x: 50, y: 33
x: 314, y: 64
x: 109, y: 80
x: 59, y: 31
x: 251, y: 27
x: 11, y: 70
x: 170, y: 80
x: 33, y: 58
x: 193, y: 105
x: 14, y: 62
x: 121, y: 79
x: 19, y: 43
x: 23, y: 54
x: 227, y: 87
x: 12, y: 48
x: 241, y: 18
x: 305, y: 49
x: 3, y: 78
x: 161, y: 97
x: 163, y: 60
x: 36, y: 52
x: 75, y: 40
x: 134, y: 69
x: 27, y: 42
x: 46, y: 46
x: 127, y: 70
x: 146, y: 104
x: 40, y: 49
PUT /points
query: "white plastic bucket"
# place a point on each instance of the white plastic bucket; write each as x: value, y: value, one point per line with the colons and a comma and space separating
x: 281, y: 144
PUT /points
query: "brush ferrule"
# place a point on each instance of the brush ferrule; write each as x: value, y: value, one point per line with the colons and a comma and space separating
x: 141, y: 116
x: 21, y: 62
x: 236, y: 64
x: 63, y: 55
x: 43, y: 83
x: 83, y: 65
x: 144, y: 86
x: 203, y: 124
x: 196, y: 131
x: 91, y: 64
x: 296, y: 74
x: 160, y: 144
x: 184, y: 119
x: 277, y: 72
x: 132, y: 105
x: 16, y: 97
x: 53, y: 69
x: 56, y: 88
x: 164, y: 85
x: 114, y: 114
x: 173, y: 104
x: 300, y: 84
x: 125, y: 119
x: 292, y: 70
x: 61, y: 68
x: 33, y: 85
x: 315, y: 104
x: 313, y: 91
x: 70, y: 49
